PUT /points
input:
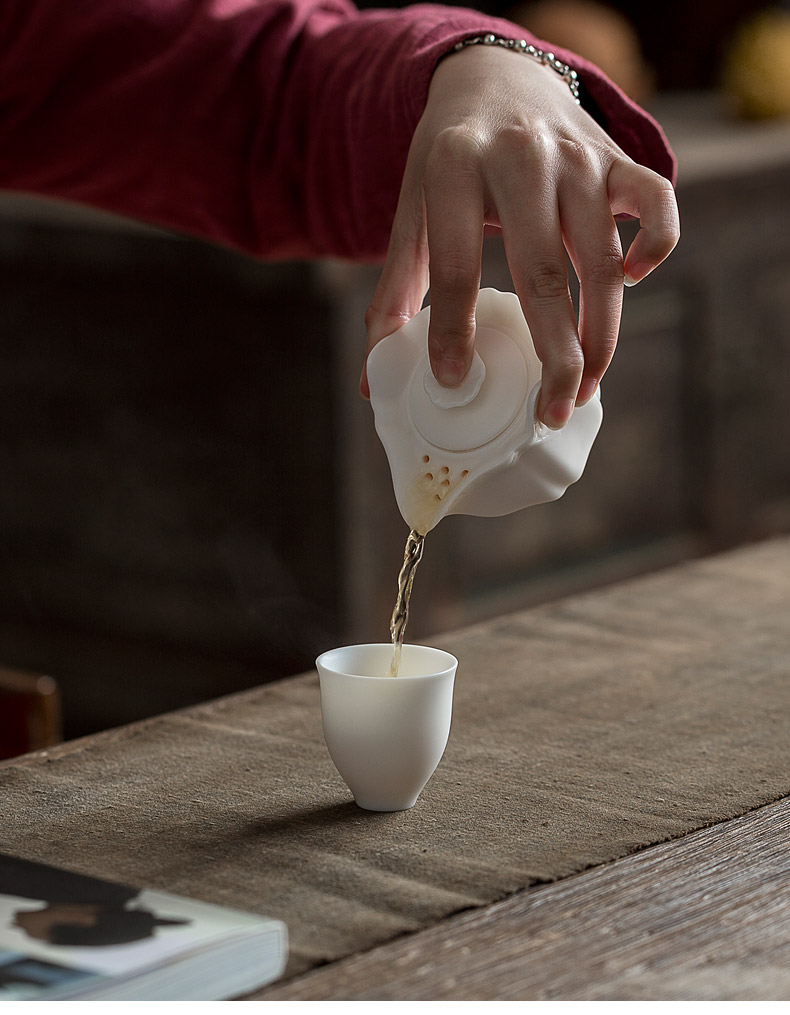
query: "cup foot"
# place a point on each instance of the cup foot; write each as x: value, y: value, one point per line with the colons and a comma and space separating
x: 385, y: 805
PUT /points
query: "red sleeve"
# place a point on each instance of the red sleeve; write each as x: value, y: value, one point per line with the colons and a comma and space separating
x: 279, y: 127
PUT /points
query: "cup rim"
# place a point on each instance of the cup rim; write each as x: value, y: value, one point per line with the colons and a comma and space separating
x: 450, y: 660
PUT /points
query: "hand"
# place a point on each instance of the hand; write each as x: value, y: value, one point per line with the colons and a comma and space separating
x: 502, y: 143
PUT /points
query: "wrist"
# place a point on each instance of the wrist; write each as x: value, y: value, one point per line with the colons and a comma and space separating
x: 523, y: 48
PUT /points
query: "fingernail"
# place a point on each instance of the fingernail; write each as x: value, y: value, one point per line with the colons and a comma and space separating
x: 558, y: 414
x: 450, y: 372
x: 586, y: 391
x: 636, y: 273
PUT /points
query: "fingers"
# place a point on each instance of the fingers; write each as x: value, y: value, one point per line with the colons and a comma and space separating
x: 454, y: 213
x: 546, y: 199
x: 638, y: 191
x: 535, y: 253
x: 574, y: 361
x: 593, y: 245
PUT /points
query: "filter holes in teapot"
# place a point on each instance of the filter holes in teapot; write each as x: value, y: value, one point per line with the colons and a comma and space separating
x: 440, y: 480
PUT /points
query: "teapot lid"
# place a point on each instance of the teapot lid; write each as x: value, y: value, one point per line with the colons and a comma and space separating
x: 489, y: 399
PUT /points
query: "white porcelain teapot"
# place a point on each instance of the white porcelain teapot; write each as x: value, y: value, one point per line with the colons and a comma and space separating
x: 477, y: 449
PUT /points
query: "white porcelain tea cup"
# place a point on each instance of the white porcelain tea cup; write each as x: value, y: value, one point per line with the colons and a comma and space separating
x: 386, y: 735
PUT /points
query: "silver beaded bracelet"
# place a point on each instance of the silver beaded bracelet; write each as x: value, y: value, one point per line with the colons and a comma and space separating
x: 522, y: 46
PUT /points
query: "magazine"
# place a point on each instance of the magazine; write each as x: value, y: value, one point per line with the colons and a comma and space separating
x: 68, y: 937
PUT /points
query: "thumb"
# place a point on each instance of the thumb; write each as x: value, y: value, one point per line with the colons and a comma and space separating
x: 401, y: 287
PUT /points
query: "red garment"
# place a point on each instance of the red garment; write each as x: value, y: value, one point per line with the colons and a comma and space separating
x: 280, y: 127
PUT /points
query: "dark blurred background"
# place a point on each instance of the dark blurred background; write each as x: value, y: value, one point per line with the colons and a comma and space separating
x: 193, y: 498
x: 681, y: 45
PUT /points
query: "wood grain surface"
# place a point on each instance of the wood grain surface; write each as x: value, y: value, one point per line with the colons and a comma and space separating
x: 706, y: 917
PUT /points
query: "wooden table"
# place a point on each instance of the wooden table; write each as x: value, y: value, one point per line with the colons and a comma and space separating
x: 705, y: 917
x: 702, y: 915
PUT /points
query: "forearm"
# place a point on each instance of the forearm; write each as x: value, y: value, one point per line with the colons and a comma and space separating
x: 280, y: 127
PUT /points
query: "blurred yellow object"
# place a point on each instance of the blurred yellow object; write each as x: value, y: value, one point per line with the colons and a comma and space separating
x: 756, y: 70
